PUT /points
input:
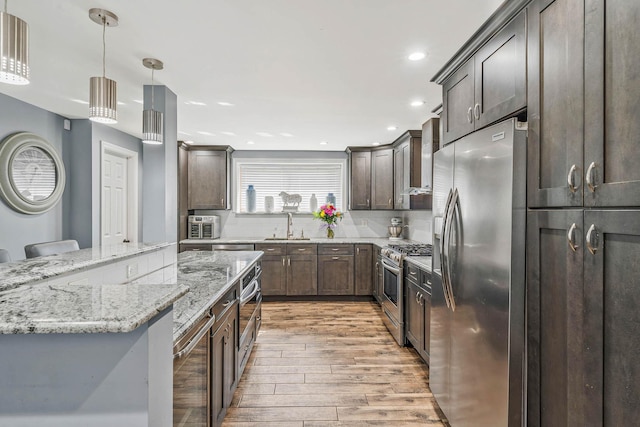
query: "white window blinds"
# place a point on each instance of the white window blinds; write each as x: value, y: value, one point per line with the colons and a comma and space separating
x: 293, y: 177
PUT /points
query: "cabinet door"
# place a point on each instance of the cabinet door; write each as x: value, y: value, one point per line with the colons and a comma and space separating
x: 555, y: 103
x: 230, y: 357
x: 335, y: 275
x: 414, y: 316
x: 302, y: 275
x: 612, y: 128
x: 554, y: 318
x: 457, y: 104
x: 207, y: 179
x: 218, y: 407
x: 612, y: 298
x: 274, y: 275
x: 401, y: 172
x: 501, y: 74
x: 360, y: 195
x: 382, y: 179
x: 364, y: 270
x: 426, y: 308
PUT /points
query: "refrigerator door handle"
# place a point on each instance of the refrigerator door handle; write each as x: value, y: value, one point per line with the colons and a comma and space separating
x: 443, y: 262
x: 452, y: 209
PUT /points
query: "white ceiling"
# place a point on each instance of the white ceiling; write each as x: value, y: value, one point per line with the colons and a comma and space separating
x: 320, y: 70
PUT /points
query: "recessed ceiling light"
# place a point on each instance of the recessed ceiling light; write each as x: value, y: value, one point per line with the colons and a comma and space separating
x: 139, y: 101
x: 250, y: 142
x: 225, y: 104
x: 81, y: 101
x: 324, y: 143
x: 392, y: 127
x: 376, y: 143
x: 188, y: 142
x: 265, y: 134
x: 198, y: 103
x: 417, y: 103
x: 416, y: 56
x: 287, y: 135
x: 184, y: 133
x: 205, y: 133
x: 228, y: 133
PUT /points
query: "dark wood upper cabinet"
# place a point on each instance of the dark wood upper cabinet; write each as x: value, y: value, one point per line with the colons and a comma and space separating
x: 556, y: 103
x: 208, y: 183
x: 382, y: 179
x: 407, y: 167
x: 360, y: 194
x: 490, y: 86
x: 500, y: 74
x: 612, y: 128
x: 458, y: 94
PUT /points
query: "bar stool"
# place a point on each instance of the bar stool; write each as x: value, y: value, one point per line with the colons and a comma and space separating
x: 50, y: 248
x: 4, y: 256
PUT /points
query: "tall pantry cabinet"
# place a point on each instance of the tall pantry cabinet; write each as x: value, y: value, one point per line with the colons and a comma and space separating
x: 584, y: 218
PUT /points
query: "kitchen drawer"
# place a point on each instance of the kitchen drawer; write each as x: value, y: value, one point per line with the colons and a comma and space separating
x: 225, y: 302
x: 272, y: 249
x: 412, y: 273
x: 336, y: 250
x: 302, y: 249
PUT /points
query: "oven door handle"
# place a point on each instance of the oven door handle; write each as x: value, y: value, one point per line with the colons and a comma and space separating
x: 389, y: 267
x: 196, y: 338
x: 255, y: 288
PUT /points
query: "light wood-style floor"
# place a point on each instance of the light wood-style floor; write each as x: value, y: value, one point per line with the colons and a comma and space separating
x: 330, y: 364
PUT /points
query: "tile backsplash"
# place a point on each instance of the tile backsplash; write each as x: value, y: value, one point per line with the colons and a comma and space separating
x: 354, y: 224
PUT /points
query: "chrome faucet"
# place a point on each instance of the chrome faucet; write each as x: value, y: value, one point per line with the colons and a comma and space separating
x: 289, y: 225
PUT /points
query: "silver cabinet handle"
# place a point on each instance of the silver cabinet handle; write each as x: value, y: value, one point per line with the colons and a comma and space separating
x: 302, y: 249
x: 367, y: 202
x: 289, y: 261
x: 271, y: 249
x: 227, y: 303
x: 590, y: 177
x: 222, y: 202
x: 283, y: 261
x: 592, y: 245
x: 470, y: 115
x: 335, y: 249
x: 572, y: 244
x: 413, y: 273
x: 571, y: 179
x: 194, y: 341
x: 358, y: 251
x: 335, y: 257
x: 390, y: 200
x: 476, y: 111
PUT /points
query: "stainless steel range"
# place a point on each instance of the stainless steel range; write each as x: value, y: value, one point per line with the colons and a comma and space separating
x: 392, y: 284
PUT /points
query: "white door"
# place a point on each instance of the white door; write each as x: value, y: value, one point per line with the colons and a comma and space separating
x: 114, y: 199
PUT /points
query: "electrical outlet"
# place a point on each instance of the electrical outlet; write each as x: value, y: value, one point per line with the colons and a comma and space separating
x: 132, y: 270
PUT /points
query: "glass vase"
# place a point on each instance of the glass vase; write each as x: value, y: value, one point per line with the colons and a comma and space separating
x: 330, y: 233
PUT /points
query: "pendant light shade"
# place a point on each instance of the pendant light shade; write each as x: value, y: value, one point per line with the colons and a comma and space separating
x: 14, y: 49
x: 103, y: 100
x: 152, y: 120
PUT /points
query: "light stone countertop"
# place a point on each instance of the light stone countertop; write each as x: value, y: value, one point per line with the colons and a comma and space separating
x: 48, y: 309
x: 209, y: 275
x: 422, y: 262
x: 378, y: 241
x: 18, y: 273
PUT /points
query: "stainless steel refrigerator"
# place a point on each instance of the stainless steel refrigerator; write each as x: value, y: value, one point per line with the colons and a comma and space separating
x: 477, y: 314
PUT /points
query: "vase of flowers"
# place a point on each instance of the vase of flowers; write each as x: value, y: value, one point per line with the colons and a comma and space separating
x: 330, y: 215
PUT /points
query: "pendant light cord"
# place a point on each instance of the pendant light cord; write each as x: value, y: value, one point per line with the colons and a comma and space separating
x: 5, y: 6
x: 104, y: 46
x: 152, y: 70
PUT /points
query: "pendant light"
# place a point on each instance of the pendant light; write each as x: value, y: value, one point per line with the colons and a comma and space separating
x: 152, y: 132
x: 102, y: 91
x: 14, y: 49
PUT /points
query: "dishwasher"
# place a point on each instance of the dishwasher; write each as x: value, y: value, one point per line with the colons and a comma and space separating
x: 232, y: 247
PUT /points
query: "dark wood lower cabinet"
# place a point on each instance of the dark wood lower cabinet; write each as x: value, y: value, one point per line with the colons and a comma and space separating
x: 418, y: 310
x: 364, y: 270
x: 224, y: 374
x: 335, y: 275
x: 274, y: 275
x: 302, y: 275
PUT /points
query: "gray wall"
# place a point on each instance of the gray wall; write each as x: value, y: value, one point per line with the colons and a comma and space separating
x: 16, y: 229
x: 77, y: 216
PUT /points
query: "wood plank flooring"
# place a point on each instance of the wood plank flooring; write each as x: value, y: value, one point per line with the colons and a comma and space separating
x: 331, y: 364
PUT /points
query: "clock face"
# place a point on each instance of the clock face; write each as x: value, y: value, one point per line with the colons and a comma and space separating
x: 33, y: 173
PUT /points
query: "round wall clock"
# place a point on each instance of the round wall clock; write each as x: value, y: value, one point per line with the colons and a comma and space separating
x: 31, y: 173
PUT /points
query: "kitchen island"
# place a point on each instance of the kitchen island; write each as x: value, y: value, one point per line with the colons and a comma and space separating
x: 100, y: 354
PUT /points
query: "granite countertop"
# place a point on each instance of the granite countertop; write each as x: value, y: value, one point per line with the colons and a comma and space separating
x: 422, y: 262
x: 378, y: 241
x: 47, y: 309
x: 209, y: 275
x: 18, y: 273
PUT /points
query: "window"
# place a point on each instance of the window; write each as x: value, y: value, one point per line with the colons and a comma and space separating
x: 305, y: 177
